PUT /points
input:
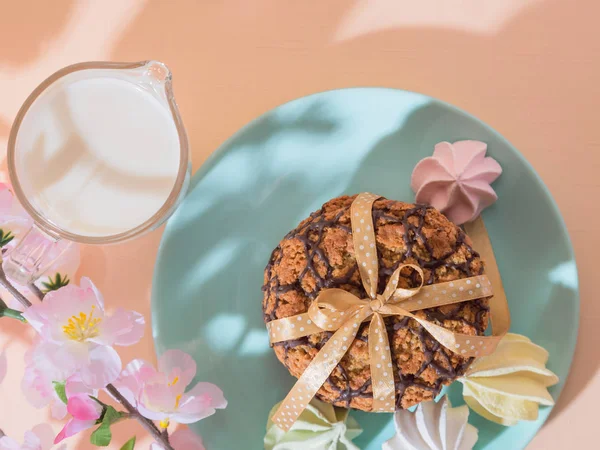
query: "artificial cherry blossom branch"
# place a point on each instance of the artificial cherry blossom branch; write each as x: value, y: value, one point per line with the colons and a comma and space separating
x: 150, y: 426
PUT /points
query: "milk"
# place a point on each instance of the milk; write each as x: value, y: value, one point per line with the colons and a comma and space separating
x: 97, y: 154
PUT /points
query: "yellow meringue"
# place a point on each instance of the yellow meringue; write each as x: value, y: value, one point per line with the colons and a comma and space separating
x: 511, y: 383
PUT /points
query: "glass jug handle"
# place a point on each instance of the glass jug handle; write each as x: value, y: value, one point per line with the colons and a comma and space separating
x: 32, y: 256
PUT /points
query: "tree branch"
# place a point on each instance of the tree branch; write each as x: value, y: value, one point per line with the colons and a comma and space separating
x: 36, y: 290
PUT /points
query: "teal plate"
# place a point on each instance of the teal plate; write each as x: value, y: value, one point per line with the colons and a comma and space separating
x: 269, y: 176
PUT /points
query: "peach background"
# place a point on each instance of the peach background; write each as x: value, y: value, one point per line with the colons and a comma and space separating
x: 529, y: 68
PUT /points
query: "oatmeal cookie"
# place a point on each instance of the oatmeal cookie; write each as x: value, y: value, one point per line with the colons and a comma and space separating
x: 319, y: 254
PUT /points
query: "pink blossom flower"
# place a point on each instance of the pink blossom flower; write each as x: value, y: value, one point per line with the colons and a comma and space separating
x: 85, y: 411
x: 133, y: 379
x: 79, y: 334
x: 161, y: 395
x: 3, y: 366
x: 182, y: 439
x: 39, y: 377
x: 40, y: 437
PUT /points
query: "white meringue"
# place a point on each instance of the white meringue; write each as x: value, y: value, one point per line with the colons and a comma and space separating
x: 433, y: 426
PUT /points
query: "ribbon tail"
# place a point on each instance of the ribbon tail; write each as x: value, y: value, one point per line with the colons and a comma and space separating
x: 318, y: 371
x: 499, y: 311
x: 382, y: 375
x: 465, y: 345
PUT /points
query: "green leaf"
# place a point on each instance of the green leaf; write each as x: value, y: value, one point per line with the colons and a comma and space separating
x: 111, y: 415
x: 54, y: 284
x: 102, y: 436
x: 129, y: 445
x: 59, y: 388
x: 5, y: 237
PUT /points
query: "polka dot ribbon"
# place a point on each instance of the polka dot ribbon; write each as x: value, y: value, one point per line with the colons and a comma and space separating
x: 342, y: 312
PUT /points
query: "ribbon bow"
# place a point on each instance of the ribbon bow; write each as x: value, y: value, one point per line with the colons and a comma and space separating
x: 342, y: 312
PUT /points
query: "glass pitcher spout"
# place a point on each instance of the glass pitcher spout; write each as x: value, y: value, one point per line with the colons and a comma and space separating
x: 154, y: 77
x: 157, y: 75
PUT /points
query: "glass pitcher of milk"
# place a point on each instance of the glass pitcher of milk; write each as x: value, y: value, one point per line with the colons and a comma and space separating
x: 97, y: 154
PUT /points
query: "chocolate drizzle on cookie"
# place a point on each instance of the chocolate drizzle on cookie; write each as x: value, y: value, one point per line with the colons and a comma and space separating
x: 422, y: 366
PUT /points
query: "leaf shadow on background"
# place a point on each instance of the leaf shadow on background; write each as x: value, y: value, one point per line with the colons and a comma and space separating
x: 31, y: 32
x: 244, y: 74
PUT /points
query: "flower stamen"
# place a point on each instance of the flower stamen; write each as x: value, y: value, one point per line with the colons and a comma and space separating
x: 82, y: 327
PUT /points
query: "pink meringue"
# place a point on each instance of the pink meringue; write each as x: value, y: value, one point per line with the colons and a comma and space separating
x: 456, y: 180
